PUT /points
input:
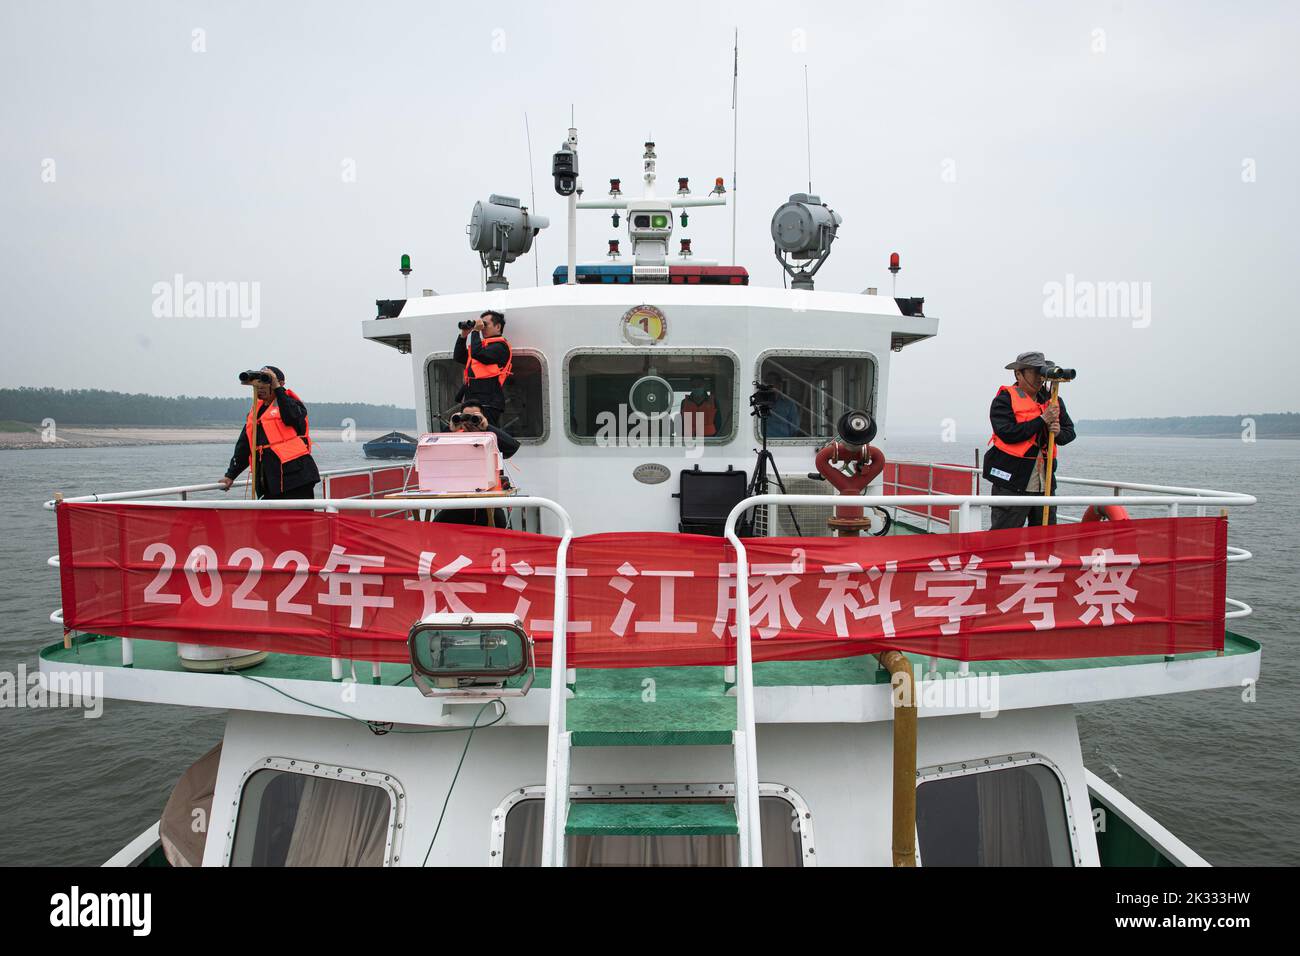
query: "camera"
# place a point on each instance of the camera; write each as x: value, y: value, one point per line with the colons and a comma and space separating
x: 763, y: 399
x: 466, y: 325
x: 564, y: 167
x: 1054, y: 373
x: 254, y: 377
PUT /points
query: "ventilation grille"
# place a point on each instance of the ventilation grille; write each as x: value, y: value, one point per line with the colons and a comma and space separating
x: 812, y: 520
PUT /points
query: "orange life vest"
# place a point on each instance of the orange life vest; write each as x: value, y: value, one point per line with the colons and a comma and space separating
x: 281, y: 439
x: 1026, y: 409
x: 476, y: 369
x: 707, y: 409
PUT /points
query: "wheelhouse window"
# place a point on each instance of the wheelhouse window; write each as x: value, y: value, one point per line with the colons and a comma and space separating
x: 816, y: 388
x: 526, y: 408
x: 1013, y: 816
x: 287, y: 818
x: 651, y: 396
x: 781, y: 836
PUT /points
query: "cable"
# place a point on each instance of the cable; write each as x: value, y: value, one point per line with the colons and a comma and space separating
x: 456, y: 776
x: 396, y: 730
x: 390, y: 729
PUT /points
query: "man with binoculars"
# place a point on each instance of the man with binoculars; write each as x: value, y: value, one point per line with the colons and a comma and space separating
x: 275, y: 442
x: 472, y: 417
x: 483, y: 350
x: 1024, y: 417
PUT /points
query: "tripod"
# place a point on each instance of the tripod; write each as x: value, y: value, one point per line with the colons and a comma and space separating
x: 758, y: 484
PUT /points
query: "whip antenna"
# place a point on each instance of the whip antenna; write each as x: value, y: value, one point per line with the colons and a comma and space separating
x: 532, y: 199
x: 807, y: 120
x: 735, y: 127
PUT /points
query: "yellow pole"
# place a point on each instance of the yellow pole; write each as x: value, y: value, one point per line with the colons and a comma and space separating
x: 904, y: 836
x: 1051, y: 449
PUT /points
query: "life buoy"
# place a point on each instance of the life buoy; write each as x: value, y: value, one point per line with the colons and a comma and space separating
x: 1105, y: 513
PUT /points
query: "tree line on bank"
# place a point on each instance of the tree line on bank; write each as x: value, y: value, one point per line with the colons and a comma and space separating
x: 92, y: 406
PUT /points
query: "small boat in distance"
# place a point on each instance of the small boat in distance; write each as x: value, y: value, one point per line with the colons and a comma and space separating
x: 392, y: 445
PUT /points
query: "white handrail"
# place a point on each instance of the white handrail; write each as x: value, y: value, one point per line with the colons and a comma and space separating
x: 1244, y: 609
x: 963, y: 503
x: 553, y: 825
x: 207, y: 486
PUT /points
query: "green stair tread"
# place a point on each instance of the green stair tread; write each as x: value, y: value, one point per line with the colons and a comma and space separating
x: 650, y: 819
x: 598, y: 722
x: 632, y: 682
x: 651, y: 706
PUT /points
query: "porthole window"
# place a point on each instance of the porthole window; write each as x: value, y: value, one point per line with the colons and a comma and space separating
x: 816, y: 388
x: 651, y: 396
x: 784, y: 818
x: 1009, y: 815
x: 293, y: 813
x: 527, y: 403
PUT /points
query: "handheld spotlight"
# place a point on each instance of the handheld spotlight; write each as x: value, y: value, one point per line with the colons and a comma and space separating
x: 856, y: 427
x: 803, y: 229
x: 500, y: 231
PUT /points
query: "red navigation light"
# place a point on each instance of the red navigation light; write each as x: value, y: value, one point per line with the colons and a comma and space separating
x: 614, y: 189
x: 613, y: 248
x: 718, y: 186
x: 683, y: 185
x: 893, y: 263
x: 686, y: 247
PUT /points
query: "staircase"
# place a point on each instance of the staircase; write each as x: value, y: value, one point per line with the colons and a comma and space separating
x: 649, y: 707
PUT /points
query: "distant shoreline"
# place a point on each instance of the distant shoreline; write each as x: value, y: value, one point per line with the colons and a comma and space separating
x: 72, y: 436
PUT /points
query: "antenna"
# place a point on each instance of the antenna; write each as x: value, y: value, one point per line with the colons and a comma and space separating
x: 807, y: 114
x: 735, y: 128
x: 532, y: 189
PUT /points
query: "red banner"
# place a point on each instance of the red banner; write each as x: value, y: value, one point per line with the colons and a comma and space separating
x: 351, y: 585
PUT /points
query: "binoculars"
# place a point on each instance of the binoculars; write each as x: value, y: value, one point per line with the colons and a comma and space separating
x: 253, y: 377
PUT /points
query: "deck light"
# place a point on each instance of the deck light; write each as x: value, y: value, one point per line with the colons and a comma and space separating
x: 500, y: 230
x: 470, y: 655
x: 803, y: 229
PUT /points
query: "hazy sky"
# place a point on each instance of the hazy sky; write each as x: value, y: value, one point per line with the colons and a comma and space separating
x: 998, y: 147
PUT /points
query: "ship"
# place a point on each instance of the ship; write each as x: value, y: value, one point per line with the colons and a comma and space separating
x: 720, y: 628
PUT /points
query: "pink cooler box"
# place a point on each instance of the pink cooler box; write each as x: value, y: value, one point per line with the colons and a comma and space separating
x: 458, y: 463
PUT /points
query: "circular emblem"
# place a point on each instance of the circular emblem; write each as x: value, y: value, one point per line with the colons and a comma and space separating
x: 644, y: 325
x: 651, y: 473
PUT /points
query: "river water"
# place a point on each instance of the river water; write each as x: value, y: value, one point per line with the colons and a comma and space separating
x: 1219, y: 771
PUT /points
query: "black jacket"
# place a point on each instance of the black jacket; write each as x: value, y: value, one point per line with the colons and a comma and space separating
x: 273, y: 477
x: 1008, y: 471
x: 485, y: 390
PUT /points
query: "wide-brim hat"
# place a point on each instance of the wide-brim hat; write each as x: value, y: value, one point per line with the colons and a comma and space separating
x: 1029, y: 360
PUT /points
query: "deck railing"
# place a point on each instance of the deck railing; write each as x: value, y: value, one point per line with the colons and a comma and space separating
x: 935, y: 507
